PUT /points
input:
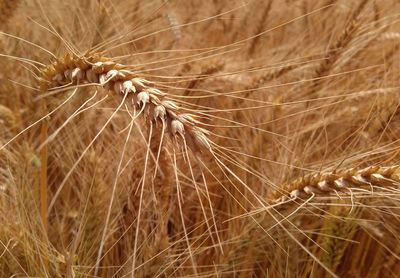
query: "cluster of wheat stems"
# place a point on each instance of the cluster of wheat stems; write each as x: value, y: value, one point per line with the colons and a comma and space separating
x: 199, y: 138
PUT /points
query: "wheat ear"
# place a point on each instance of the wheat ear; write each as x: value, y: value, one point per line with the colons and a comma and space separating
x: 323, y: 184
x: 339, y: 229
x: 96, y: 70
x: 337, y: 48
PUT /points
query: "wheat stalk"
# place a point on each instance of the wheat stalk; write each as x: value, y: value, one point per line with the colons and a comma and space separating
x: 324, y: 184
x: 96, y: 70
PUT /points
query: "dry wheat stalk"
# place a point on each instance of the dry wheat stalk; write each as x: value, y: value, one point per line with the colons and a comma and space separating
x: 323, y: 184
x: 152, y: 103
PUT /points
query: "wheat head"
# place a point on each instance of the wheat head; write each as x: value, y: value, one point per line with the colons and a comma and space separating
x: 324, y: 184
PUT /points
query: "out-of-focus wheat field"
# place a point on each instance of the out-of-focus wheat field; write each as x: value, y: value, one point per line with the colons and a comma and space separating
x: 184, y: 138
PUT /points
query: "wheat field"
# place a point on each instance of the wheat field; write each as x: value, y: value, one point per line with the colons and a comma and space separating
x: 185, y: 138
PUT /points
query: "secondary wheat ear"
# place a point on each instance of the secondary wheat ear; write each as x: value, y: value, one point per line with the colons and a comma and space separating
x: 324, y: 184
x: 72, y: 70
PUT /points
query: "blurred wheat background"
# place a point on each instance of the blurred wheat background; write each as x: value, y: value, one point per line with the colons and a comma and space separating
x: 275, y: 154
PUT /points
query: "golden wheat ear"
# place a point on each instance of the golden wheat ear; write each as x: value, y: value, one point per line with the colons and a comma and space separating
x: 152, y: 103
x: 324, y: 184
